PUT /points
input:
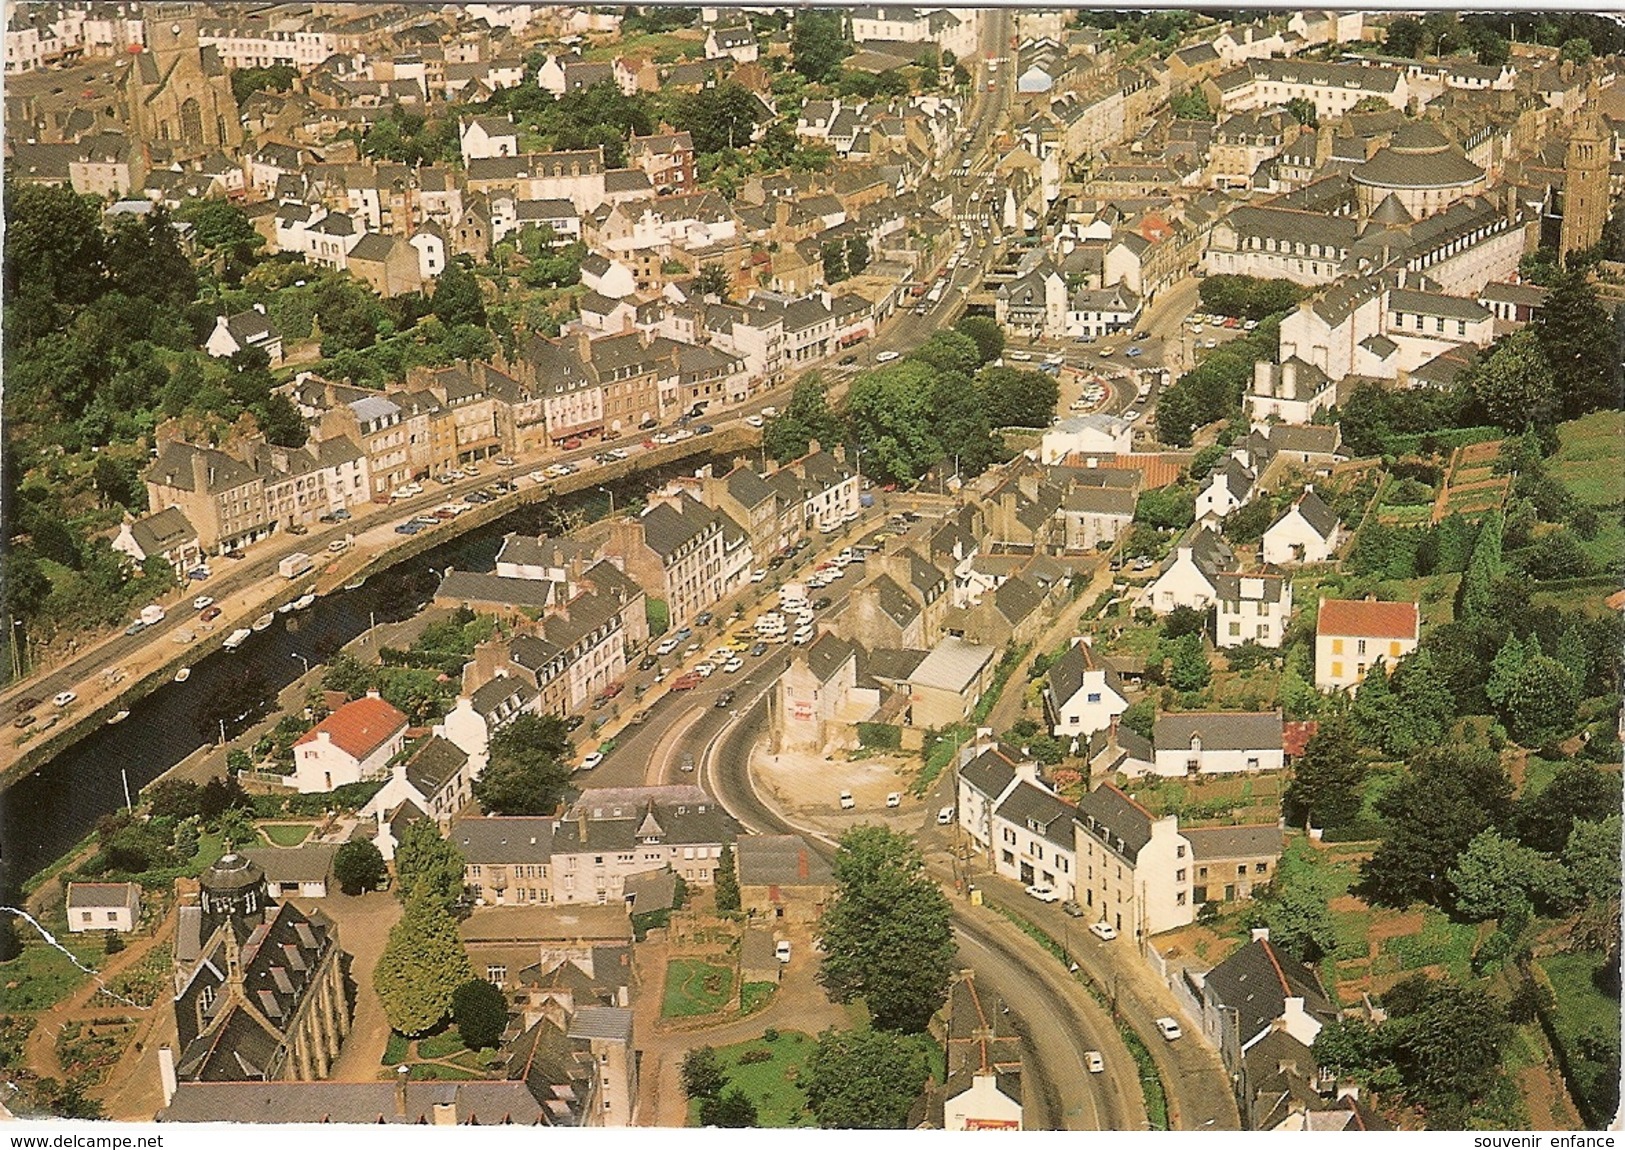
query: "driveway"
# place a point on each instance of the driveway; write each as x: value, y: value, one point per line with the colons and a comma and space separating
x: 364, y: 922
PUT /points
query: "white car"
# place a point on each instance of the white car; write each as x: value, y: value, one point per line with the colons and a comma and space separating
x: 704, y: 670
x: 1168, y: 1028
x: 537, y: 477
x: 803, y: 634
x: 755, y: 420
x: 1103, y: 930
x: 202, y: 602
x: 945, y: 817
x: 758, y: 575
x: 894, y: 800
x: 1132, y: 414
x: 1093, y: 1060
x: 63, y: 699
x: 1043, y: 893
x: 1020, y: 356
x: 847, y: 801
x: 782, y: 950
x: 591, y: 761
x: 885, y: 356
x: 734, y: 665
x: 667, y: 646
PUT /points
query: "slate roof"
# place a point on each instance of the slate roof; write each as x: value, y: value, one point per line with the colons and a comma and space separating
x: 434, y: 764
x: 828, y: 653
x: 1227, y: 584
x: 779, y: 860
x: 483, y: 587
x: 952, y: 665
x: 103, y: 895
x: 991, y: 771
x: 1233, y: 842
x: 1314, y: 511
x: 163, y: 530
x: 1220, y: 730
x: 613, y: 1023
x: 1066, y: 673
x: 503, y: 840
x: 1040, y: 811
x: 308, y: 862
x: 1116, y: 820
x: 1257, y: 980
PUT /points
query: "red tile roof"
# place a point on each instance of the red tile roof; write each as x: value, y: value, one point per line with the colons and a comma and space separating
x: 1295, y: 735
x: 358, y: 728
x: 1368, y: 619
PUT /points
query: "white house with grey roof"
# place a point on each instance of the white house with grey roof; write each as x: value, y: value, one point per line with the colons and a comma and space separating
x: 1188, y: 577
x: 165, y: 534
x: 1254, y: 992
x: 251, y: 328
x: 1226, y: 488
x: 1133, y: 868
x: 1094, y: 434
x: 1082, y: 695
x: 1217, y: 743
x: 1252, y: 607
x: 102, y: 906
x: 1291, y: 392
x: 1034, y: 841
x: 988, y: 771
x: 1307, y: 532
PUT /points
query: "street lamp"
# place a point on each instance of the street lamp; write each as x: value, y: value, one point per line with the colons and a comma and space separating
x: 611, y: 495
x: 301, y: 658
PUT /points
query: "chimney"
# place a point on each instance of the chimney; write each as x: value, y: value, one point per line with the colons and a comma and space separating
x: 402, y: 1073
x: 1348, y: 1090
x: 166, y: 1072
x: 1261, y: 934
x: 259, y: 307
x: 445, y: 1114
x: 802, y: 873
x: 373, y: 694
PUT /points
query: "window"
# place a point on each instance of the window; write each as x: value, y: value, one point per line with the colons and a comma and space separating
x: 1094, y: 696
x: 1359, y: 646
x: 1179, y: 899
x: 1261, y: 868
x: 1337, y: 670
x: 497, y: 974
x: 1393, y: 649
x: 1179, y: 852
x: 1179, y: 875
x: 86, y: 916
x: 1252, y: 762
x: 1241, y: 870
x: 1337, y: 646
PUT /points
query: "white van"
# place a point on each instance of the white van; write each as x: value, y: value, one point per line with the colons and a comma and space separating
x: 770, y: 624
x: 804, y: 634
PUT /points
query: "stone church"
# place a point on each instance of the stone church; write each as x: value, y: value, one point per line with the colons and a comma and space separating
x: 259, y: 987
x: 179, y: 94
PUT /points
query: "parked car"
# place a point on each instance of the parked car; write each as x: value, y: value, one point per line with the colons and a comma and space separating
x: 638, y: 718
x: 894, y: 800
x: 22, y: 721
x: 26, y: 703
x: 821, y: 602
x: 1043, y: 893
x: 210, y: 614
x: 591, y: 761
x: 135, y: 628
x: 683, y: 633
x: 1168, y: 1028
x: 63, y: 698
x: 782, y: 950
x: 1103, y: 930
x: 757, y: 650
x: 755, y: 420
x: 1093, y: 1060
x: 703, y: 619
x: 686, y: 762
x: 647, y: 662
x: 573, y: 722
x: 725, y: 700
x: 945, y: 817
x: 847, y: 801
x: 201, y: 602
x: 667, y: 646
x: 885, y: 356
x: 1072, y: 908
x: 685, y: 682
x: 733, y: 665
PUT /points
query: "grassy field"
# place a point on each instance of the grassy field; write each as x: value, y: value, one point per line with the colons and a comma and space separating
x: 694, y: 987
x: 662, y: 47
x: 770, y: 1084
x: 753, y: 996
x: 1591, y: 458
x: 286, y: 834
x: 1233, y: 800
x: 42, y: 975
x: 1440, y: 943
x: 1586, y: 1020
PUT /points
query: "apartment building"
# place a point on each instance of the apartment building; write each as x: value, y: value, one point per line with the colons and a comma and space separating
x: 1352, y: 634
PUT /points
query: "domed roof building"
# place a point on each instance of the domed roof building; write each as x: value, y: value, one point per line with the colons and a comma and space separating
x: 1421, y: 169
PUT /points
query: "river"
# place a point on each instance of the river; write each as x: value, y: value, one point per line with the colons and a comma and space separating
x: 46, y: 812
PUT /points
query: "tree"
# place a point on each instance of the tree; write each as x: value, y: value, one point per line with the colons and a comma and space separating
x: 1542, y: 702
x: 712, y: 280
x: 1484, y: 567
x: 173, y: 799
x: 1188, y: 668
x: 1448, y: 795
x: 1577, y: 792
x: 526, y: 773
x: 864, y: 1080
x: 1576, y: 50
x: 702, y: 1073
x: 727, y: 880
x: 950, y: 351
x: 834, y: 255
x: 481, y: 1013
x: 1447, y: 1045
x: 1515, y: 385
x: 892, y: 418
x: 359, y: 866
x: 422, y: 966
x: 1170, y: 508
x: 805, y: 418
x: 887, y: 938
x: 1575, y: 655
x: 857, y: 254
x: 1328, y: 776
x: 818, y: 43
x: 1140, y: 717
x: 428, y: 867
x: 1182, y: 621
x: 731, y: 1111
x: 1576, y: 336
x: 1191, y: 104
x: 987, y: 333
x: 457, y: 297
x: 1303, y: 111
x: 1013, y: 397
x: 1299, y: 923
x: 349, y: 675
x: 1404, y: 37
x: 1592, y: 858
x: 1505, y: 669
x: 1495, y: 873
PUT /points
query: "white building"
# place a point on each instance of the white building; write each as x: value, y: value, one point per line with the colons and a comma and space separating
x: 1352, y: 634
x: 354, y: 743
x: 1034, y: 841
x: 1306, y: 532
x: 1096, y: 434
x: 1134, y: 869
x: 1081, y: 696
x: 1189, y: 577
x: 1252, y: 608
x: 1217, y: 743
x: 98, y: 906
x: 1292, y: 392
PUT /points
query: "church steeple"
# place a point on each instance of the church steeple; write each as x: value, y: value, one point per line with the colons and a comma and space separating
x: 234, y: 891
x: 1585, y: 184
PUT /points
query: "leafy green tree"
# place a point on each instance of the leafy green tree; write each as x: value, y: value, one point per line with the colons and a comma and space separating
x: 1484, y: 567
x: 1447, y: 1046
x: 1515, y: 386
x: 427, y: 867
x: 1404, y: 37
x: 864, y: 1080
x: 1592, y: 858
x: 1577, y: 792
x: 1495, y: 873
x: 481, y: 1013
x: 702, y: 1073
x: 1542, y: 702
x: 1328, y: 776
x: 961, y: 429
x: 987, y: 333
x: 834, y: 256
x: 1188, y: 668
x: 1556, y: 555
x: 1299, y: 923
x: 805, y: 418
x: 1191, y: 104
x: 526, y: 773
x: 857, y: 254
x: 54, y: 259
x: 1505, y: 669
x: 1170, y: 508
x: 1353, y: 1048
x: 348, y: 674
x: 1017, y: 398
x: 1448, y: 795
x: 359, y: 866
x: 1303, y: 111
x: 818, y: 43
x: 731, y: 1111
x: 950, y: 351
x: 892, y: 418
x: 1182, y: 621
x: 422, y: 966
x: 887, y: 938
x: 348, y: 314
x: 1423, y: 705
x: 457, y: 297
x: 720, y: 118
x: 277, y: 78
x: 1140, y: 717
x: 1576, y: 50
x: 727, y: 880
x: 712, y: 280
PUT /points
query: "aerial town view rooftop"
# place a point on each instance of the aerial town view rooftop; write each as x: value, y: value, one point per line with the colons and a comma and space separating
x: 886, y: 568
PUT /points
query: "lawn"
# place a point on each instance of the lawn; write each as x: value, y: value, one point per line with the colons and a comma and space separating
x: 1586, y: 1021
x: 1591, y: 457
x: 1440, y: 943
x: 286, y: 834
x: 1239, y: 799
x: 42, y: 975
x: 694, y: 987
x: 770, y: 1083
x: 442, y: 1045
x: 753, y: 996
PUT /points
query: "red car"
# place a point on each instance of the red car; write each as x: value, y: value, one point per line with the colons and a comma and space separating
x: 685, y: 682
x: 614, y: 689
x: 210, y: 614
x: 571, y: 445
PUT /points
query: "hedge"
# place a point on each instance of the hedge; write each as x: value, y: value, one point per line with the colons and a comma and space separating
x: 880, y: 736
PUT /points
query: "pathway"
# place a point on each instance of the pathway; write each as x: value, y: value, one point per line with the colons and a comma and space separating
x: 1011, y: 703
x: 364, y: 922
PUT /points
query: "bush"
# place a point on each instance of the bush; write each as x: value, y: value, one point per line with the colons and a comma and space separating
x: 880, y: 736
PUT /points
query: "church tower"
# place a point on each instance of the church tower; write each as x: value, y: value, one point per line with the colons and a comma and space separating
x: 1585, y: 186
x: 233, y: 891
